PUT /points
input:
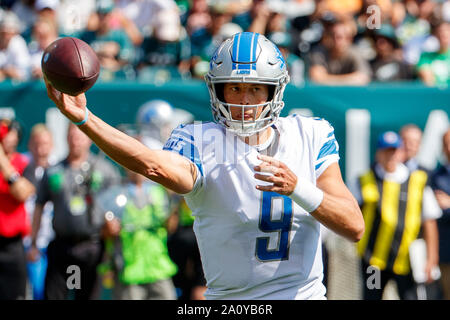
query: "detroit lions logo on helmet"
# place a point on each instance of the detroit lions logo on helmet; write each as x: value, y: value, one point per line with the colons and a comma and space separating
x: 213, y: 59
x: 215, y: 56
x: 280, y: 57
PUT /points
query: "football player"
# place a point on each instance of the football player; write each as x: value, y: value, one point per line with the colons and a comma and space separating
x: 258, y: 184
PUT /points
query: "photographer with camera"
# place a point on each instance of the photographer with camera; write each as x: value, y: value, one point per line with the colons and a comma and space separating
x: 72, y: 185
x: 14, y: 225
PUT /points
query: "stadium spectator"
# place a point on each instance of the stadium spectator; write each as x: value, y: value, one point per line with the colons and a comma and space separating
x: 29, y: 11
x: 183, y: 8
x: 73, y: 16
x: 144, y: 14
x: 440, y: 182
x: 14, y: 224
x: 434, y: 67
x: 293, y: 8
x: 145, y: 269
x: 270, y: 17
x: 412, y: 137
x: 241, y: 13
x: 72, y: 186
x: 414, y: 31
x: 198, y: 17
x: 380, y: 11
x: 40, y: 146
x: 446, y: 11
x: 388, y: 66
x: 129, y: 27
x: 296, y: 66
x: 47, y: 9
x: 335, y: 61
x: 339, y: 7
x: 234, y: 203
x: 368, y: 18
x: 44, y: 33
x: 232, y: 7
x: 261, y: 14
x: 206, y: 40
x: 112, y: 45
x: 245, y: 15
x: 25, y: 11
x: 162, y: 58
x: 398, y: 13
x: 14, y: 57
x: 394, y: 214
x: 7, y: 4
x: 416, y: 21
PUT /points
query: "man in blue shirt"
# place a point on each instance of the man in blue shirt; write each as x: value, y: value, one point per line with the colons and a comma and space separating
x: 440, y: 182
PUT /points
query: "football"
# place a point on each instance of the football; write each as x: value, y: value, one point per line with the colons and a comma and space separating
x: 70, y: 65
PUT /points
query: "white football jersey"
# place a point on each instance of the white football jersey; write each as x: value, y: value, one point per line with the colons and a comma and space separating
x: 254, y: 244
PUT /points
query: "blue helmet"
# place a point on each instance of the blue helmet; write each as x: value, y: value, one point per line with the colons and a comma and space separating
x: 157, y: 118
x: 154, y: 117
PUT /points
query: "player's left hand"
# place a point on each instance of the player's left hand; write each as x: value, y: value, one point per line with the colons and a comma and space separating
x: 73, y: 107
x: 283, y: 179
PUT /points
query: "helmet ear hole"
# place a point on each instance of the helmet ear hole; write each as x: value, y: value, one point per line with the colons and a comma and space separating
x: 219, y: 87
x: 271, y: 92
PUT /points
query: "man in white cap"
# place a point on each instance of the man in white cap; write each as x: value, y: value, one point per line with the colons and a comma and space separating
x: 149, y: 15
x: 14, y: 57
x: 46, y: 5
x: 47, y: 9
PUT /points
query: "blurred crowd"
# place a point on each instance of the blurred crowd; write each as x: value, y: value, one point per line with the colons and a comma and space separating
x: 331, y: 42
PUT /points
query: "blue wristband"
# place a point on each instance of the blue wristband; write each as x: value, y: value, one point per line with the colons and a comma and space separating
x: 86, y: 115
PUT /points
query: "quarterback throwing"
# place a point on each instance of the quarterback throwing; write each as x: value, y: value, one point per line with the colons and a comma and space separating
x: 259, y: 185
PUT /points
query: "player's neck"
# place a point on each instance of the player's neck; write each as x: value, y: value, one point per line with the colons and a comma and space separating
x: 258, y: 138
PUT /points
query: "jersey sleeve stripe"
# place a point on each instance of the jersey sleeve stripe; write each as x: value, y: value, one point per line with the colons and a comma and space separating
x: 185, y: 149
x: 318, y: 165
x: 325, y: 159
x: 322, y: 166
x: 329, y: 147
x: 195, y: 158
x: 182, y: 134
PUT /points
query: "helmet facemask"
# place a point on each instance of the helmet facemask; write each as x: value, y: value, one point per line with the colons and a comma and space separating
x: 269, y: 114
